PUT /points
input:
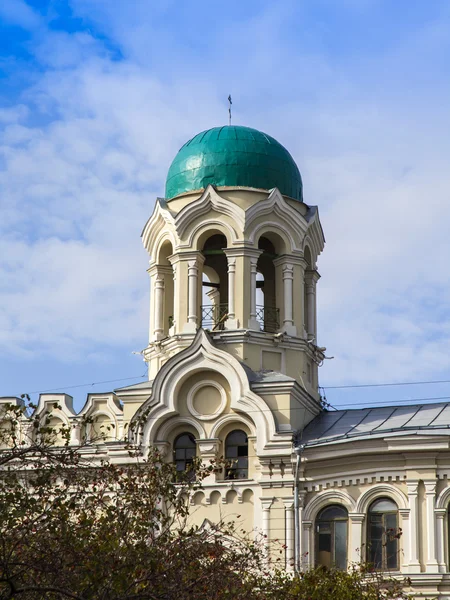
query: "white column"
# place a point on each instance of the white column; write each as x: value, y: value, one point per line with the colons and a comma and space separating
x: 405, y: 539
x: 192, y: 293
x: 174, y: 260
x: 176, y: 296
x: 253, y: 323
x: 288, y: 285
x: 300, y: 533
x: 430, y: 500
x: 195, y: 262
x: 158, y: 307
x: 414, y: 539
x: 356, y: 529
x: 231, y: 322
x: 439, y: 514
x: 266, y: 504
x: 311, y: 278
x: 307, y: 558
x: 289, y: 537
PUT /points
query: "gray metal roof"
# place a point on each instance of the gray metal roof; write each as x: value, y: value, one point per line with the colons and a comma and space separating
x: 341, y: 425
x: 142, y: 385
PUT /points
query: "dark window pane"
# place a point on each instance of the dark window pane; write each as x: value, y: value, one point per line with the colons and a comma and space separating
x: 324, y: 542
x: 391, y: 540
x: 376, y: 554
x: 324, y: 527
x: 392, y: 553
x: 236, y: 449
x: 184, y: 452
x: 332, y: 512
x: 237, y: 438
x: 340, y: 544
x: 186, y: 440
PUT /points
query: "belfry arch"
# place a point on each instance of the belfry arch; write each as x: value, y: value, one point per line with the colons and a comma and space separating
x: 163, y: 292
x: 214, y: 308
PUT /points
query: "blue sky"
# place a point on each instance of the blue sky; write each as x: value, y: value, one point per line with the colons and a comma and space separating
x: 96, y: 97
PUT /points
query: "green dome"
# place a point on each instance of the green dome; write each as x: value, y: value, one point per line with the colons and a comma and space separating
x: 233, y: 156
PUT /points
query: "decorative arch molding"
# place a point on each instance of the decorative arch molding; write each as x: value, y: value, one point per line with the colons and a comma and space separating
x: 211, y: 224
x: 325, y: 498
x: 315, y: 231
x: 161, y: 222
x: 282, y: 231
x: 173, y: 422
x: 289, y: 218
x: 93, y: 413
x: 166, y: 236
x: 308, y: 243
x: 46, y: 405
x: 203, y: 356
x: 383, y: 490
x: 209, y: 200
x: 443, y: 500
x: 232, y: 418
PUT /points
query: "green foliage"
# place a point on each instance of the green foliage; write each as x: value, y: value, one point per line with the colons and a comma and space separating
x: 357, y: 583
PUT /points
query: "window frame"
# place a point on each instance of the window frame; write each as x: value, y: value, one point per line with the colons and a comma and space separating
x: 233, y: 473
x: 332, y: 524
x: 187, y: 471
x: 383, y: 566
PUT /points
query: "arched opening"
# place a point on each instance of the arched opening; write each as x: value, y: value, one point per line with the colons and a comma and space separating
x: 267, y: 312
x: 383, y: 534
x: 102, y: 429
x: 184, y: 452
x: 165, y: 279
x: 214, y: 283
x: 332, y: 537
x: 236, y: 455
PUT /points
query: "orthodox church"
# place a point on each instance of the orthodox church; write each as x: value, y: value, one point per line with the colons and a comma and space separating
x: 233, y: 358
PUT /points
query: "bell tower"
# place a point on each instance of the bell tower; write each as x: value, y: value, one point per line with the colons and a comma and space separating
x: 233, y: 251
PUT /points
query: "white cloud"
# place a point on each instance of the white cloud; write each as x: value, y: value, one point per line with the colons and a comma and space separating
x: 79, y: 184
x: 18, y: 12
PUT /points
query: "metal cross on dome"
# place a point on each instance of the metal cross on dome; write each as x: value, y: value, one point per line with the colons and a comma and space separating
x: 229, y: 109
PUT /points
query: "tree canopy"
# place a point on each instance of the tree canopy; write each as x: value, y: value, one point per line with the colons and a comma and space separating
x: 74, y: 529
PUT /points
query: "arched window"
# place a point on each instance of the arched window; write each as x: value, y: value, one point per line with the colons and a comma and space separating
x: 267, y: 312
x: 331, y: 537
x: 383, y: 534
x: 184, y: 451
x: 236, y: 455
x: 215, y: 283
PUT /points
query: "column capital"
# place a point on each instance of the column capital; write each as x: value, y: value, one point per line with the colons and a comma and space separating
x: 430, y: 488
x: 357, y: 517
x: 288, y: 503
x: 208, y: 447
x: 412, y: 486
x: 188, y: 255
x: 243, y: 251
x: 312, y: 276
x: 266, y: 503
x: 440, y: 512
x: 291, y: 259
x: 156, y: 270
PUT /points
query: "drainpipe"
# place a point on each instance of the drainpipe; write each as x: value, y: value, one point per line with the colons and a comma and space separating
x: 298, y: 451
